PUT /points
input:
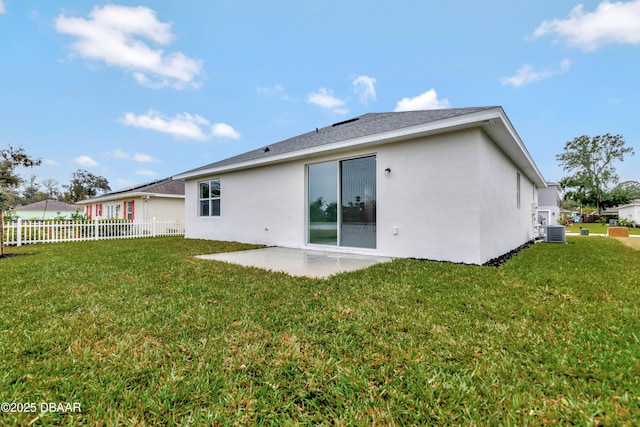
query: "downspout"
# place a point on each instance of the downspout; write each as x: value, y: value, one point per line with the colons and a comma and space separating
x: 144, y: 207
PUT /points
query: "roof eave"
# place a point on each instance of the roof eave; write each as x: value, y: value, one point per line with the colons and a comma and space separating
x: 485, y: 119
x: 505, y: 136
x: 125, y: 196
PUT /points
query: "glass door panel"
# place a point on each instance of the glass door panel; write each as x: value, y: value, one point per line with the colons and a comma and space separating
x: 323, y: 203
x: 358, y: 202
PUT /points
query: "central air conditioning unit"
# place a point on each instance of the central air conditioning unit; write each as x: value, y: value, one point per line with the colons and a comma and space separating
x: 554, y: 234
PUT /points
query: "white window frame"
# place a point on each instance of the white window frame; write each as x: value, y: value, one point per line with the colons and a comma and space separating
x: 129, y: 213
x: 111, y: 210
x: 211, y: 198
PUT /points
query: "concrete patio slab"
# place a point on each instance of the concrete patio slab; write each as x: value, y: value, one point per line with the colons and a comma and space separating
x: 298, y: 262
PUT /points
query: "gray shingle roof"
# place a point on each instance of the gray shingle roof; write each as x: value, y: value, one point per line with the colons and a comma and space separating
x: 50, y: 205
x: 167, y: 186
x: 365, y: 125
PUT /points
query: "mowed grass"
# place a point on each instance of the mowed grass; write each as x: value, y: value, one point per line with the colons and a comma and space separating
x: 141, y: 333
x: 596, y: 228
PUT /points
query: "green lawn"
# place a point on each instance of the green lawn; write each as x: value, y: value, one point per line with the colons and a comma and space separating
x: 595, y: 228
x: 138, y: 332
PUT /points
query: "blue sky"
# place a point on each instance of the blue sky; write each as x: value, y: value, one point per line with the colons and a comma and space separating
x: 137, y: 91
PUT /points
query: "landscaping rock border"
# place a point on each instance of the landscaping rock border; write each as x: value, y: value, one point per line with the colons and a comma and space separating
x: 497, y: 262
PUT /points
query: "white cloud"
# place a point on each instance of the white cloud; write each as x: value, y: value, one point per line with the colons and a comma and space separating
x: 610, y: 23
x: 119, y: 154
x: 114, y: 35
x: 50, y: 162
x: 86, y: 162
x: 365, y: 88
x: 526, y: 74
x: 2, y: 9
x: 324, y: 98
x: 274, y: 90
x: 425, y: 101
x: 223, y: 130
x: 146, y: 172
x: 144, y: 158
x: 565, y: 64
x: 181, y: 126
x: 141, y: 158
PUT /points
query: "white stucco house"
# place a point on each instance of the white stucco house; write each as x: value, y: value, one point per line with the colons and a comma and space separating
x: 161, y: 199
x: 549, y: 204
x: 451, y: 184
x: 46, y: 209
x: 630, y: 212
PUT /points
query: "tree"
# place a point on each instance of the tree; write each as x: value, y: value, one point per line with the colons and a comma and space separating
x: 10, y: 159
x: 621, y: 194
x: 30, y: 190
x: 591, y: 162
x: 631, y: 188
x: 84, y: 185
x: 51, y: 188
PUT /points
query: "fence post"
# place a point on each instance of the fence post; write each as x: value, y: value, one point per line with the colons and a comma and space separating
x: 154, y: 229
x: 95, y: 229
x: 19, y: 231
x: 1, y: 232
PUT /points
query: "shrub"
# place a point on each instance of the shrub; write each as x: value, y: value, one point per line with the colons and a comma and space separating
x: 78, y: 216
x: 625, y: 223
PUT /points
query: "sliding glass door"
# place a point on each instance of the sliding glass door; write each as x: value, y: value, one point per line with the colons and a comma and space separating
x: 323, y: 203
x: 358, y: 202
x: 342, y: 203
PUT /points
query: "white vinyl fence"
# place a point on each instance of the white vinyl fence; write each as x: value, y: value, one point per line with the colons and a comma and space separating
x: 24, y: 232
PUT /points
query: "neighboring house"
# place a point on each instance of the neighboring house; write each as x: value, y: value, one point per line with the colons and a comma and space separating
x: 375, y: 184
x: 566, y: 215
x: 630, y: 212
x: 162, y: 199
x: 549, y: 204
x: 46, y: 209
